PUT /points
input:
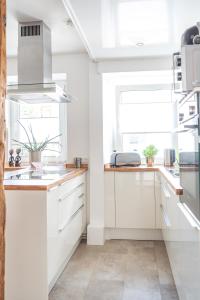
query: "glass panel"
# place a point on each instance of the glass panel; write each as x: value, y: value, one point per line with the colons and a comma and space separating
x: 146, y: 117
x: 138, y: 142
x: 44, y: 121
x: 39, y: 111
x: 145, y: 96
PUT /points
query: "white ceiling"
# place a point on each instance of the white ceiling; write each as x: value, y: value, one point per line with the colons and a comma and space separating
x: 98, y: 23
x: 65, y: 38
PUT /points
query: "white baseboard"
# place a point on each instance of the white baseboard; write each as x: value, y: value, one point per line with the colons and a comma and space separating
x: 95, y: 235
x: 133, y: 234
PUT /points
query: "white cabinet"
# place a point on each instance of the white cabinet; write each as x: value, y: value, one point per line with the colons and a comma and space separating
x: 43, y: 229
x: 182, y: 239
x: 109, y: 196
x: 157, y: 187
x: 65, y: 223
x: 135, y: 200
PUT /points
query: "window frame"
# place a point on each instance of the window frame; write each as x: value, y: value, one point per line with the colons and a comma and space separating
x: 145, y: 87
x: 13, y: 116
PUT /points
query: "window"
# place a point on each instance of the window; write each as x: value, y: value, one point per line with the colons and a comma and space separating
x: 46, y: 120
x: 145, y: 117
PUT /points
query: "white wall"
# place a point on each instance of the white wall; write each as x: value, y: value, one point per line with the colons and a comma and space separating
x: 76, y: 66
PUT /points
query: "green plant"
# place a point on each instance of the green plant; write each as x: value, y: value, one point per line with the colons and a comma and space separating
x: 32, y: 144
x: 150, y: 151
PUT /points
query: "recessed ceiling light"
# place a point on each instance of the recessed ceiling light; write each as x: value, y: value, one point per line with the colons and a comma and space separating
x: 140, y: 44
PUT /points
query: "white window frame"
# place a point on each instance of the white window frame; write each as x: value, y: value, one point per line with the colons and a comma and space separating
x: 125, y: 88
x: 60, y: 79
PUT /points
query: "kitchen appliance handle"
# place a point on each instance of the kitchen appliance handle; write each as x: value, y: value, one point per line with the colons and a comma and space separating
x: 191, y: 219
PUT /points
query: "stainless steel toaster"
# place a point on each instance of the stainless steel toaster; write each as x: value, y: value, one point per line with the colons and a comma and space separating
x: 119, y: 159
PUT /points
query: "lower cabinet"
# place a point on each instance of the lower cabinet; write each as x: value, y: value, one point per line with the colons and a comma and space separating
x: 182, y: 239
x: 130, y: 200
x: 42, y: 232
x: 135, y: 201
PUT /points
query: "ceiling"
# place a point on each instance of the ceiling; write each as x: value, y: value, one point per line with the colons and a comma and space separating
x: 107, y: 29
x: 65, y: 38
x: 132, y: 28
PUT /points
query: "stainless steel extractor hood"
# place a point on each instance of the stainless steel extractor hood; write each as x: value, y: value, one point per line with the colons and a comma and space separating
x: 35, y: 67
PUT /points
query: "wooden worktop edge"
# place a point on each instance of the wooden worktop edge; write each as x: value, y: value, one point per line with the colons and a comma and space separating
x: 44, y: 187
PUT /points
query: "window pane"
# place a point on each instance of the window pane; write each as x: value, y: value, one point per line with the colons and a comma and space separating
x: 41, y: 128
x: 44, y: 121
x: 39, y: 110
x: 145, y: 117
x: 138, y: 142
x: 145, y: 96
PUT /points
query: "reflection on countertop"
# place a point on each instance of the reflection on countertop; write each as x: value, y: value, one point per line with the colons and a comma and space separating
x: 40, y: 179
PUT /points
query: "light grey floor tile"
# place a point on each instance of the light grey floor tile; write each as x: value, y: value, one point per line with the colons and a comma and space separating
x: 119, y: 270
x: 105, y: 290
x: 168, y: 292
x: 163, y: 266
x: 67, y: 292
x: 110, y: 266
x: 141, y: 294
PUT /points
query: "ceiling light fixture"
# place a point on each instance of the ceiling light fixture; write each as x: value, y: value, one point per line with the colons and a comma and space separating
x: 140, y: 44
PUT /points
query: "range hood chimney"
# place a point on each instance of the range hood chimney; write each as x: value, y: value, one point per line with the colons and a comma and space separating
x: 35, y: 67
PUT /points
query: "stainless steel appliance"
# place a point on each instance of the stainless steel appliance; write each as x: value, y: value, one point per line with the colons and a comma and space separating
x: 169, y: 157
x: 189, y: 152
x: 35, y: 83
x: 119, y: 159
x: 186, y: 63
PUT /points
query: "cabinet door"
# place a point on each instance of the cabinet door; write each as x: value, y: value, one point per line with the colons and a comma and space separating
x: 135, y: 200
x: 157, y: 184
x: 182, y: 239
x: 109, y: 196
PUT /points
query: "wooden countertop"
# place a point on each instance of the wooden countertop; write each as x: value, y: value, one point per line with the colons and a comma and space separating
x: 174, y: 182
x: 41, y: 185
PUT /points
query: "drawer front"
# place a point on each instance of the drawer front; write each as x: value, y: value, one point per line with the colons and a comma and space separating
x: 68, y: 205
x: 70, y: 235
x: 68, y: 186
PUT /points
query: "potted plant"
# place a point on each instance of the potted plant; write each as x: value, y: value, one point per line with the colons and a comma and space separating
x: 34, y: 148
x: 150, y: 152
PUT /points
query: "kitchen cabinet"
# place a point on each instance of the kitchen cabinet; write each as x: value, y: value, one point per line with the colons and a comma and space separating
x: 182, y: 238
x: 43, y: 230
x: 109, y: 198
x: 135, y: 200
x: 157, y: 188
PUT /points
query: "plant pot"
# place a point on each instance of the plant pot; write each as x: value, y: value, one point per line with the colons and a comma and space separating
x: 35, y: 156
x: 150, y: 161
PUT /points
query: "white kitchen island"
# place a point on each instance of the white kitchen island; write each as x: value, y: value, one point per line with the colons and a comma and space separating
x: 44, y: 223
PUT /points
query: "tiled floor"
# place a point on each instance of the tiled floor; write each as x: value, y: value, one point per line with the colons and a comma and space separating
x: 119, y: 270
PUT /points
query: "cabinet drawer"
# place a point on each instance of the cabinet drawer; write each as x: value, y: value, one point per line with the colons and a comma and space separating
x: 68, y: 186
x: 68, y: 205
x: 69, y: 236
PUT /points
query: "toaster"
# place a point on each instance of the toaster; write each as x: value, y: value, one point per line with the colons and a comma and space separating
x: 119, y: 159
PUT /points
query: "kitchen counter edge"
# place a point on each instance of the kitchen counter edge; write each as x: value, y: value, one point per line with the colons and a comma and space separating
x: 174, y: 182
x: 42, y: 185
